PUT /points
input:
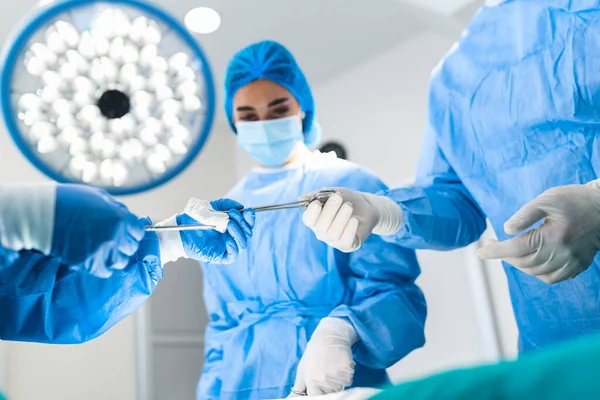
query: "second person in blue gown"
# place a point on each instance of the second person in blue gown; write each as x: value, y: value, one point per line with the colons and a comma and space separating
x: 292, y: 314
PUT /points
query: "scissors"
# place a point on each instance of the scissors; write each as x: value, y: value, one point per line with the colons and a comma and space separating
x: 321, y: 196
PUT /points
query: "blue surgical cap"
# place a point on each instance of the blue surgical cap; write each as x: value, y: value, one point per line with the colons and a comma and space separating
x: 270, y: 60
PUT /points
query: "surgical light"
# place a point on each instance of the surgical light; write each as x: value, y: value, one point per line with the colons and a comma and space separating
x: 114, y: 93
x: 202, y: 20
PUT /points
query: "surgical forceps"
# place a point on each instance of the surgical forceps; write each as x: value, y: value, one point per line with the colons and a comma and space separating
x: 321, y: 195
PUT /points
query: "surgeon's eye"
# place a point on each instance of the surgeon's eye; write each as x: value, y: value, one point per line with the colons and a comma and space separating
x: 248, y: 117
x: 281, y: 110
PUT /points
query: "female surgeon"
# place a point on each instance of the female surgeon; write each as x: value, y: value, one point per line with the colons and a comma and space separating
x: 292, y: 314
x: 512, y: 128
x: 74, y: 262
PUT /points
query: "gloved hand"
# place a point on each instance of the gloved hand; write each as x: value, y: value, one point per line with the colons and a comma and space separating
x: 83, y: 227
x: 93, y: 231
x: 208, y: 246
x: 349, y: 217
x: 327, y: 365
x: 7, y: 257
x: 566, y: 242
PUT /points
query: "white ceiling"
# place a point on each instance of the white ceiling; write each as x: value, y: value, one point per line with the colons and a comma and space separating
x: 326, y: 36
x: 446, y: 7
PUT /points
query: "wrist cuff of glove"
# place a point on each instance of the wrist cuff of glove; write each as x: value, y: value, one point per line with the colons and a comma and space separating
x: 594, y: 184
x: 340, y: 326
x: 390, y: 214
x: 169, y: 242
x: 27, y: 216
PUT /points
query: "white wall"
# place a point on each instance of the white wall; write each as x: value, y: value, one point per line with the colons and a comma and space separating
x: 378, y: 111
x: 105, y: 368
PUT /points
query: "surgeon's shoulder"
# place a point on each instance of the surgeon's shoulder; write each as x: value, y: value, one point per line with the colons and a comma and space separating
x: 343, y: 173
x: 239, y: 188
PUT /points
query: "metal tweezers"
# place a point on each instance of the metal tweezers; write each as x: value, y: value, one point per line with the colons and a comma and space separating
x: 321, y: 195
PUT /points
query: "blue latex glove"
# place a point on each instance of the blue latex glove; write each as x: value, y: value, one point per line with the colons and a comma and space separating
x: 7, y: 257
x: 214, y: 247
x: 42, y: 300
x: 93, y: 231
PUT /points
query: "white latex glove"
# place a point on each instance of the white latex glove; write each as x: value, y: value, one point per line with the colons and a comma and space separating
x: 564, y: 245
x: 349, y: 217
x: 327, y: 365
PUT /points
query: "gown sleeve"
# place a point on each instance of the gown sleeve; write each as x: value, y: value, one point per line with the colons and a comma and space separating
x: 42, y: 300
x: 439, y: 211
x: 387, y: 309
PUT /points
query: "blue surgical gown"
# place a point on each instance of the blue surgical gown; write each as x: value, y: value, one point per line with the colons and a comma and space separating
x: 514, y: 109
x: 42, y: 300
x: 265, y: 306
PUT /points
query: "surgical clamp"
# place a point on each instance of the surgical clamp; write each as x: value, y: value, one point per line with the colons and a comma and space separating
x: 321, y: 195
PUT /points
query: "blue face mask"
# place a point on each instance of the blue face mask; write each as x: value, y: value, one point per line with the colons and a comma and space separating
x: 272, y: 142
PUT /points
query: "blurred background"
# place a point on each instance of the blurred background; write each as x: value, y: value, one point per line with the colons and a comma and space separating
x: 368, y: 63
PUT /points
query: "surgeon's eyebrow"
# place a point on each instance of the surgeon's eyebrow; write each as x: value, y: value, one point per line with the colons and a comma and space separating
x: 277, y: 102
x: 245, y: 108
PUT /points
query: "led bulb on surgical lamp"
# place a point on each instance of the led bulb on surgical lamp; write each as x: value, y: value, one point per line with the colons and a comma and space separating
x: 187, y: 88
x: 89, y: 113
x: 69, y: 134
x: 147, y: 55
x: 152, y: 35
x: 49, y: 94
x: 68, y: 33
x: 47, y: 144
x: 87, y: 46
x: 65, y: 121
x: 101, y: 45
x: 30, y: 102
x: 160, y: 64
x: 164, y: 93
x: 35, y: 66
x: 77, y: 60
x: 41, y: 129
x: 44, y: 54
x: 138, y: 27
x: 55, y: 42
x: 180, y: 132
x: 191, y: 103
x: 90, y: 170
x: 177, y: 146
x: 81, y: 84
x: 77, y: 163
x: 156, y: 164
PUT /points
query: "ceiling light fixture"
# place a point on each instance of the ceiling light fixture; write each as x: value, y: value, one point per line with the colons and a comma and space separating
x: 202, y: 20
x: 114, y: 93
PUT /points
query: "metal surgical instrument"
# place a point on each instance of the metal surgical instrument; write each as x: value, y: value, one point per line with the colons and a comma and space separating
x: 321, y: 195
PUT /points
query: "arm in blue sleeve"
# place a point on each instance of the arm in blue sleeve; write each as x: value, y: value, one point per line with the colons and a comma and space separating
x: 439, y: 211
x: 42, y: 300
x: 387, y: 308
